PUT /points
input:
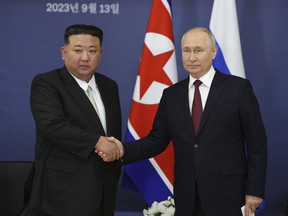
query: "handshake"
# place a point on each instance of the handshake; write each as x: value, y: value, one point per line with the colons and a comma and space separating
x: 109, y: 149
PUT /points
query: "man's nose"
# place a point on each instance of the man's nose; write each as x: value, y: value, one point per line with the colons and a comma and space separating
x: 192, y: 57
x: 85, y: 56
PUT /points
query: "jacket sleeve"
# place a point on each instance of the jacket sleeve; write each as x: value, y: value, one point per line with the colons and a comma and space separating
x: 54, y: 122
x: 256, y: 141
x: 154, y: 143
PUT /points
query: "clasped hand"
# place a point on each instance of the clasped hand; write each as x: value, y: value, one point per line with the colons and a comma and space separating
x: 251, y: 203
x: 109, y: 149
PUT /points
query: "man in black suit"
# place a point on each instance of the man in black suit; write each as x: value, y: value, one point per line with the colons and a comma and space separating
x: 74, y: 109
x: 220, y: 165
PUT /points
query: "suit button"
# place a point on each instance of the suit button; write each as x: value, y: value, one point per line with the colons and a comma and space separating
x: 195, y: 145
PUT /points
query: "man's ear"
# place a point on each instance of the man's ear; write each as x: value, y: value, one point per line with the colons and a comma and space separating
x: 63, y: 52
x: 214, y: 50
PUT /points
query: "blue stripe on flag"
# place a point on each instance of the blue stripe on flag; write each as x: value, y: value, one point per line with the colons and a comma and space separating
x: 262, y: 205
x: 128, y: 136
x: 148, y: 187
x: 219, y: 62
x: 147, y: 175
x: 126, y: 180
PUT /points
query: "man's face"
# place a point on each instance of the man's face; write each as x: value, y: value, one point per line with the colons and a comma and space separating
x: 197, y: 53
x: 82, y: 55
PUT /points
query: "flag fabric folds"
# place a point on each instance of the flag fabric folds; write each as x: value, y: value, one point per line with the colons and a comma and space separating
x: 153, y: 178
x: 224, y: 26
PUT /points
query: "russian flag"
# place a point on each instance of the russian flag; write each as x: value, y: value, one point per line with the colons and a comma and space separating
x: 153, y: 178
x: 224, y: 26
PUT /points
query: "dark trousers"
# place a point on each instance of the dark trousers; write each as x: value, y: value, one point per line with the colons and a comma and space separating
x: 198, y: 210
x: 31, y: 212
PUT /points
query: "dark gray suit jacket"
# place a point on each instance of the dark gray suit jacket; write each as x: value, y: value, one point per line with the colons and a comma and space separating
x: 70, y: 179
x: 216, y: 157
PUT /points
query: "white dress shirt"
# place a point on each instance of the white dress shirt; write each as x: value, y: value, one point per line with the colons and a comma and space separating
x: 204, y: 88
x: 97, y: 97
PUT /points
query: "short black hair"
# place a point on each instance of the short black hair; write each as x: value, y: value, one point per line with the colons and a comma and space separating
x: 78, y: 29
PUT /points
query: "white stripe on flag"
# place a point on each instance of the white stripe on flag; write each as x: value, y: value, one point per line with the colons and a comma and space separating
x: 152, y: 160
x: 224, y: 26
x: 132, y: 130
x: 161, y: 174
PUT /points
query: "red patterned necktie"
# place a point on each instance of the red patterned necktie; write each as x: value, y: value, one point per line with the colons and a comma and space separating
x: 196, y: 107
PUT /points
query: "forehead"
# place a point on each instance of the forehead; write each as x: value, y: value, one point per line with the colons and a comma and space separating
x: 195, y: 38
x: 84, y: 39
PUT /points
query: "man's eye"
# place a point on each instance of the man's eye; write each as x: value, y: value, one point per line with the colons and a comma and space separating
x: 92, y: 51
x: 78, y: 51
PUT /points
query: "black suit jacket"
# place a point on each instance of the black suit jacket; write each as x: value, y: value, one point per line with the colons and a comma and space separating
x: 70, y: 179
x: 216, y: 157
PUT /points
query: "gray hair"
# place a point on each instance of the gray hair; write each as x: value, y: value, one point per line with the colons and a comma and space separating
x: 211, y: 37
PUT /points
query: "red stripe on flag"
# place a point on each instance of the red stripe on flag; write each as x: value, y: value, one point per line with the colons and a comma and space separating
x: 142, y: 116
x: 159, y: 14
x: 157, y: 70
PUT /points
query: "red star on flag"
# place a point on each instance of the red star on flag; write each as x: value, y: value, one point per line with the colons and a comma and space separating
x: 151, y: 69
x: 152, y: 178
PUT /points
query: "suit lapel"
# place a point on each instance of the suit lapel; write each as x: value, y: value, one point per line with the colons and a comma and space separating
x: 106, y: 98
x: 80, y: 98
x: 217, y: 88
x: 184, y: 100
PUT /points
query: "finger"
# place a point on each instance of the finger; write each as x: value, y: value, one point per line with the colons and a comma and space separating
x: 121, y: 153
x: 250, y: 211
x: 120, y: 149
x: 118, y: 153
x: 253, y: 209
x: 102, y: 155
x: 247, y: 211
x: 113, y: 156
x: 111, y: 139
x: 106, y: 158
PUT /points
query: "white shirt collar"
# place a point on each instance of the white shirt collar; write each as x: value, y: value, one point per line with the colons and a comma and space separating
x: 84, y: 85
x: 206, y: 79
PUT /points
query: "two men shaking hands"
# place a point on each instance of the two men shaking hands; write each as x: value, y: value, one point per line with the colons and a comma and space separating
x: 109, y: 148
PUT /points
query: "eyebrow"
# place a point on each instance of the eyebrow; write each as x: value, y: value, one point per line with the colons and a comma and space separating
x: 196, y: 47
x: 92, y: 46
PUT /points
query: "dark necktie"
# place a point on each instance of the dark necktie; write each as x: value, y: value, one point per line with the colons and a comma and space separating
x: 196, y: 107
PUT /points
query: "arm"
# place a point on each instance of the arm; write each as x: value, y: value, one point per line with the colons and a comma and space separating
x: 256, y: 143
x: 57, y: 121
x: 151, y: 145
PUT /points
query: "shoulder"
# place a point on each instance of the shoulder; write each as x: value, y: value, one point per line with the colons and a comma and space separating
x: 230, y: 80
x: 49, y: 76
x: 102, y: 79
x: 232, y: 84
x: 182, y: 84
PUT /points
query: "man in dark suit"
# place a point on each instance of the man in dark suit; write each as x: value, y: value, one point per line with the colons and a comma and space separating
x: 70, y: 179
x: 220, y: 165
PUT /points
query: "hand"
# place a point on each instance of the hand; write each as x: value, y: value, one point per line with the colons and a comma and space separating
x: 109, y: 149
x: 120, y: 152
x: 251, y: 203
